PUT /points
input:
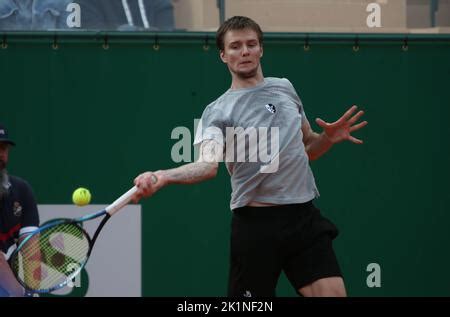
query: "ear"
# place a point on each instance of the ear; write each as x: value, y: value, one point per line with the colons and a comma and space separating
x: 262, y: 52
x: 223, y: 57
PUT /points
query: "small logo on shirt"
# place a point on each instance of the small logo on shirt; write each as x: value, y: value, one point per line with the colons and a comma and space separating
x: 247, y: 294
x: 17, y: 209
x: 271, y: 108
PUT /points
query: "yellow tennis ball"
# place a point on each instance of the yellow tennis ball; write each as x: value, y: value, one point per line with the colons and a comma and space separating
x: 81, y: 196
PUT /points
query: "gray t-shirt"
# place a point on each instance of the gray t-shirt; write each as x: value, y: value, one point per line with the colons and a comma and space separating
x: 274, y: 167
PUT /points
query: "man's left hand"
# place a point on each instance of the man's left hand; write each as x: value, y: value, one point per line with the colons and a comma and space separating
x: 341, y: 129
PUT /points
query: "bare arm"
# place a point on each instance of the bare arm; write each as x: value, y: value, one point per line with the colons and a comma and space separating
x: 204, y: 169
x: 31, y: 260
x: 318, y: 144
x: 315, y: 144
x: 7, y: 279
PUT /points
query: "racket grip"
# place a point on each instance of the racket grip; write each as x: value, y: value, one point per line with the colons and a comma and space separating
x: 122, y: 201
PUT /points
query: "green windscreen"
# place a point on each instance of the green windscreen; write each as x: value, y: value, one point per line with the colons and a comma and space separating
x: 97, y: 112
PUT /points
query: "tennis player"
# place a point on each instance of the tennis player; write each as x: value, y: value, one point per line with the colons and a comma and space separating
x: 275, y: 225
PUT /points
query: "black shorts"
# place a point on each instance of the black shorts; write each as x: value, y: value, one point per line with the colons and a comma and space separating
x: 295, y: 239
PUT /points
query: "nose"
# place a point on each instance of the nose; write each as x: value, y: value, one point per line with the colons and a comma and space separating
x: 245, y: 50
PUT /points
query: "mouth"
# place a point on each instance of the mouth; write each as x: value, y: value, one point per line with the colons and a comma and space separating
x: 245, y: 63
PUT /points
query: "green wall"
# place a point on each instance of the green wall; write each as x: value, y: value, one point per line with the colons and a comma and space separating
x: 87, y: 116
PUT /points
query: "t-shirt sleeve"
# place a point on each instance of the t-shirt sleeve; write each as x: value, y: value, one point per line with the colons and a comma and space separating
x: 30, y: 214
x: 295, y: 97
x: 210, y: 127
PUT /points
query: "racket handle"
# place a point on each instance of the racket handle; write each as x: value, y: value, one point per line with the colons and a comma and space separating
x: 122, y: 201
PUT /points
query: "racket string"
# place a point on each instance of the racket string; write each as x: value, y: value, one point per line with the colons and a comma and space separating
x: 50, y: 257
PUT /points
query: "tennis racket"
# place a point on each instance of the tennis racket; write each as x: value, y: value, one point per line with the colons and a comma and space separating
x: 53, y: 255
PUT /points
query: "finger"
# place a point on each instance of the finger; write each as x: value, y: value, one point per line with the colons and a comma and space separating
x: 355, y: 140
x: 355, y: 117
x: 136, y: 198
x: 149, y: 180
x: 347, y: 114
x: 358, y: 126
x: 143, y: 183
x: 140, y: 184
x: 321, y: 123
x: 146, y: 192
x: 139, y: 192
x: 140, y: 181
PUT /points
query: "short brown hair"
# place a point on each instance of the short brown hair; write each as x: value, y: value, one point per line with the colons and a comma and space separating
x: 237, y: 23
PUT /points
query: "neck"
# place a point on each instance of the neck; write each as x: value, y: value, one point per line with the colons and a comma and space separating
x: 247, y: 82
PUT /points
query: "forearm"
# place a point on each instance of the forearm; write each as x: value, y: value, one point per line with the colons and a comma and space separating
x: 317, y: 145
x: 205, y: 168
x: 188, y: 174
x: 31, y: 260
x: 7, y: 280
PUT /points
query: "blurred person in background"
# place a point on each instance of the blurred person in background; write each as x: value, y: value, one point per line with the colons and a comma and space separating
x: 32, y: 15
x: 18, y: 217
x: 127, y: 15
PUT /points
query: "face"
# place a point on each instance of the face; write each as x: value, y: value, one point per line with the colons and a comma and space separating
x: 242, y: 52
x: 4, y: 153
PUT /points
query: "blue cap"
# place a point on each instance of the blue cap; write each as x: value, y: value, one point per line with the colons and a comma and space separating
x: 4, y: 135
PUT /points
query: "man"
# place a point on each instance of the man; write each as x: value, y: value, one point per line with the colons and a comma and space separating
x: 32, y: 15
x: 18, y: 216
x: 127, y: 15
x: 275, y: 226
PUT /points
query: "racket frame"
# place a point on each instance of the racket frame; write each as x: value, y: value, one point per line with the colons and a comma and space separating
x: 109, y: 211
x: 55, y: 223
